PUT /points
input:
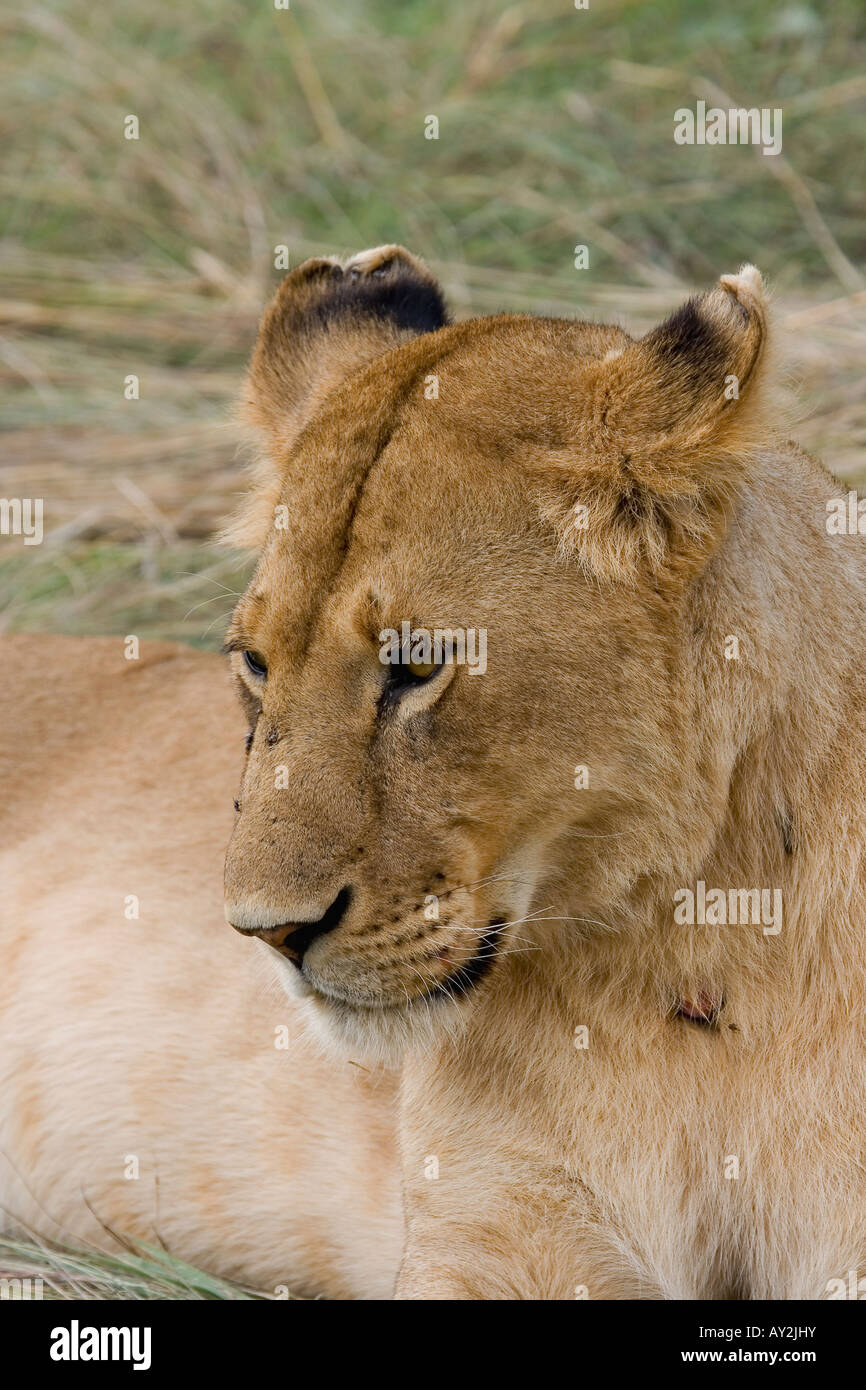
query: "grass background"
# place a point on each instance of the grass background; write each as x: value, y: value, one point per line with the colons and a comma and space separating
x: 305, y: 127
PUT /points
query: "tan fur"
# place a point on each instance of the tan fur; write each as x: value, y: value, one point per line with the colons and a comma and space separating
x: 156, y: 1038
x: 530, y: 1167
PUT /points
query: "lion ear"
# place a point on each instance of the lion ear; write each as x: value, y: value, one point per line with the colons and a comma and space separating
x: 327, y: 319
x: 666, y: 428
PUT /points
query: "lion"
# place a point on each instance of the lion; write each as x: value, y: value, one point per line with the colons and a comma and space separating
x: 548, y: 977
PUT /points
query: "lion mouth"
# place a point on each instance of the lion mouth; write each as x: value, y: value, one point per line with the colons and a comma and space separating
x: 471, y: 972
x: 454, y: 987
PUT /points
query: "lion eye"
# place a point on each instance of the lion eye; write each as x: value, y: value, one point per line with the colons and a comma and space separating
x: 421, y: 670
x: 255, y: 665
x: 404, y: 675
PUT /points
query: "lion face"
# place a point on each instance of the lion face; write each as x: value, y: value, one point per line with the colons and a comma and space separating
x: 457, y: 648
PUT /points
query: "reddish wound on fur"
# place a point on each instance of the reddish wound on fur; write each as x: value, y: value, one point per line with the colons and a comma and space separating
x: 703, y: 1007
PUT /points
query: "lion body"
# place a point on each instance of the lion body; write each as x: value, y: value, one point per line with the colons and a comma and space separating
x: 517, y: 1068
x: 153, y: 1079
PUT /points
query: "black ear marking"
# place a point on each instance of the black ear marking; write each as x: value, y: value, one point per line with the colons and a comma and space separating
x: 691, y: 343
x: 687, y: 333
x: 392, y: 291
x: 327, y: 320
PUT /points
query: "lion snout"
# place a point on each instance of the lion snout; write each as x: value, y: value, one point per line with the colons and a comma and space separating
x: 290, y: 938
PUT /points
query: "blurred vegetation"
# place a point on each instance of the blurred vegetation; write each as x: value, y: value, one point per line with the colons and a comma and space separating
x: 305, y: 127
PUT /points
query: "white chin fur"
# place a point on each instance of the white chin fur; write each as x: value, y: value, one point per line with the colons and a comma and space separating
x: 384, y: 1036
x: 380, y: 1036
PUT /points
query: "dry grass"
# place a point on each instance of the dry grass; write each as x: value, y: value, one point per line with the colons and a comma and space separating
x: 306, y: 128
x: 140, y: 1272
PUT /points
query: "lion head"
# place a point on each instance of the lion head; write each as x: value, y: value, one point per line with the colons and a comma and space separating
x: 542, y: 495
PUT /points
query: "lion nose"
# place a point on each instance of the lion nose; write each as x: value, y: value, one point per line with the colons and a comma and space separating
x: 293, y: 939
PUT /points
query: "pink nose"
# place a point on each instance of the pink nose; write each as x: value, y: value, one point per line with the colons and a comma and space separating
x: 293, y: 939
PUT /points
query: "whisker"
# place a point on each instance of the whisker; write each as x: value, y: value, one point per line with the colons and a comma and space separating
x: 214, y: 598
x: 221, y: 617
